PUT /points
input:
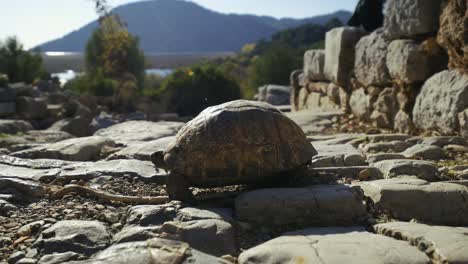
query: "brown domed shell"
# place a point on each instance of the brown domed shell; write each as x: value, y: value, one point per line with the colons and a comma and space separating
x: 238, y: 142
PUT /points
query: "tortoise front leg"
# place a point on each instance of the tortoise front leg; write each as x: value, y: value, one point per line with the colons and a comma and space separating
x: 177, y: 188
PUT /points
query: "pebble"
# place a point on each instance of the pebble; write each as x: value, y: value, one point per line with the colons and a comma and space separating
x: 15, y: 257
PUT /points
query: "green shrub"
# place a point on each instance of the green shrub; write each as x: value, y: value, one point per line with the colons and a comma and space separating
x: 273, y: 67
x: 92, y: 84
x: 189, y: 91
x: 152, y: 88
x: 18, y: 64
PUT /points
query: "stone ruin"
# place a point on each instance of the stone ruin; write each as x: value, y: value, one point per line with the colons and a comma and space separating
x: 410, y: 75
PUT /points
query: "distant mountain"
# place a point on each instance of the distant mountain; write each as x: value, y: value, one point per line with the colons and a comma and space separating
x: 182, y: 26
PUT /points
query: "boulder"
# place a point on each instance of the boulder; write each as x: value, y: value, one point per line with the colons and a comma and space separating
x: 403, y: 122
x: 425, y: 170
x: 74, y: 149
x: 453, y: 33
x: 83, y: 237
x: 463, y: 121
x: 135, y: 132
x: 142, y: 151
x: 408, y: 198
x: 442, y: 243
x: 411, y: 18
x: 274, y: 94
x: 340, y: 53
x: 440, y: 101
x: 320, y: 205
x: 361, y: 104
x: 31, y: 108
x: 333, y: 245
x: 156, y: 250
x: 409, y: 62
x: 385, y: 109
x: 77, y: 126
x: 14, y: 126
x: 370, y: 67
x: 314, y: 64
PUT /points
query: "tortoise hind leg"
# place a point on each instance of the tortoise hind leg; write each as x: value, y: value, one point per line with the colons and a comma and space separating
x: 178, y: 188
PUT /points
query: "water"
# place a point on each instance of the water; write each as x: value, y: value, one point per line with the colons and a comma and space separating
x: 68, y: 75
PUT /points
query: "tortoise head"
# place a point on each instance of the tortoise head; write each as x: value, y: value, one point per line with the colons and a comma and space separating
x: 158, y: 159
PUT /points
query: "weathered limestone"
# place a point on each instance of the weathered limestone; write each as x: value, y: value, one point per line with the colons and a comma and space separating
x: 321, y: 205
x: 361, y: 104
x: 274, y: 94
x: 400, y: 167
x: 423, y: 151
x: 463, y: 121
x: 142, y: 151
x: 339, y: 53
x: 373, y: 158
x: 78, y: 126
x: 83, y: 237
x: 411, y: 18
x: 409, y: 62
x: 407, y: 198
x: 403, y: 122
x: 370, y: 66
x: 14, y: 126
x: 337, y: 155
x: 314, y: 65
x: 453, y: 33
x: 133, y: 132
x: 444, y: 244
x: 74, y: 149
x: 385, y: 109
x: 440, y: 101
x: 333, y: 245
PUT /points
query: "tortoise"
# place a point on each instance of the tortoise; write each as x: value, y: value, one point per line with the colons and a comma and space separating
x: 238, y: 142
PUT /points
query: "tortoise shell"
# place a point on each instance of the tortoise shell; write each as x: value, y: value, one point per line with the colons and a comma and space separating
x: 238, y: 142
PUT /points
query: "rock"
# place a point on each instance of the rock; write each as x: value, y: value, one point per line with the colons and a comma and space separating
x: 333, y: 245
x: 313, y: 122
x: 211, y: 236
x: 136, y: 233
x: 295, y: 87
x: 274, y: 94
x: 191, y: 213
x: 335, y: 174
x: 151, y: 215
x: 387, y: 137
x: 373, y: 158
x: 321, y: 205
x: 77, y: 126
x: 7, y: 108
x: 410, y: 18
x: 314, y: 64
x: 59, y: 258
x: 29, y: 229
x: 34, y: 137
x: 26, y: 173
x: 463, y: 121
x: 26, y: 187
x: 409, y: 198
x: 155, y: 250
x: 22, y: 89
x: 6, y: 95
x: 443, y: 243
x: 370, y: 65
x: 14, y: 126
x: 442, y: 97
x: 134, y: 132
x: 424, y: 152
x: 5, y: 208
x: 15, y: 257
x: 339, y: 53
x: 453, y: 33
x: 83, y: 237
x: 38, y: 164
x: 443, y: 141
x: 116, y: 168
x: 392, y: 146
x: 385, y: 109
x: 408, y: 62
x: 361, y: 104
x: 337, y: 155
x: 31, y: 108
x: 27, y: 261
x: 403, y: 122
x: 422, y: 169
x: 142, y: 151
x: 103, y: 120
x: 74, y: 149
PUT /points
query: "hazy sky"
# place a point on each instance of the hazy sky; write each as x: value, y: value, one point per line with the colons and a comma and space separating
x: 37, y: 21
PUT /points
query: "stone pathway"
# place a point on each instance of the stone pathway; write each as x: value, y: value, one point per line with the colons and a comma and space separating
x: 366, y: 198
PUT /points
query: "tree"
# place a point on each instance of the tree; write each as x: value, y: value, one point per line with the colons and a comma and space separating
x: 18, y: 64
x: 189, y: 91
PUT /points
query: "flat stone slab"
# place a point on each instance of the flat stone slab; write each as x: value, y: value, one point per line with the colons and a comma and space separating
x: 26, y: 187
x: 34, y: 137
x: 333, y: 245
x: 408, y: 198
x: 321, y: 205
x: 424, y: 152
x: 337, y: 155
x: 74, y: 149
x: 334, y: 174
x: 405, y: 167
x: 142, y: 151
x: 444, y: 244
x: 8, y: 126
x: 312, y: 121
x: 373, y: 158
x: 134, y: 132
